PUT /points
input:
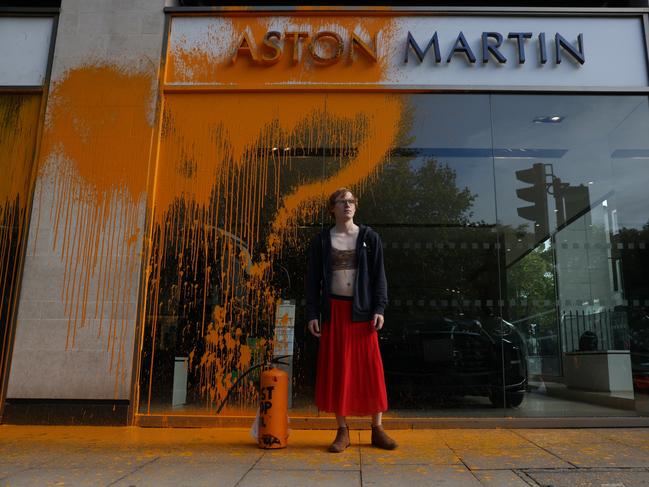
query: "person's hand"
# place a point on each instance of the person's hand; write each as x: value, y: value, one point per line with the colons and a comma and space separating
x: 314, y: 328
x: 377, y: 321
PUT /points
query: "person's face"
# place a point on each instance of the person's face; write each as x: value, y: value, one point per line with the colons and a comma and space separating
x: 345, y: 207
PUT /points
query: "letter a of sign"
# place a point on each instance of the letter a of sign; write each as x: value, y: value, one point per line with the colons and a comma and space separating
x: 244, y: 46
x: 461, y: 46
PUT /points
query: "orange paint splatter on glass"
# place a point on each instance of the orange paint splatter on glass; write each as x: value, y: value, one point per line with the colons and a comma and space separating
x: 236, y: 176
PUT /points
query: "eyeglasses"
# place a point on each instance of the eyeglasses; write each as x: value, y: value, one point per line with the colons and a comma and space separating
x: 349, y: 202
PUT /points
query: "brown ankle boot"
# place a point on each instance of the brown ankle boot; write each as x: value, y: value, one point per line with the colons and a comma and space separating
x: 342, y: 440
x: 380, y: 439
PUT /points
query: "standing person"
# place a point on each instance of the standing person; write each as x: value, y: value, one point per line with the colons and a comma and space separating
x: 346, y: 287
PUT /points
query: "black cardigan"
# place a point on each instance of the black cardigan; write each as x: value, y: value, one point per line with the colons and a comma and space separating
x: 370, y: 286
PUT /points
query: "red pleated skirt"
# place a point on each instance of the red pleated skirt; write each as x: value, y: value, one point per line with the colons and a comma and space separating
x: 349, y: 378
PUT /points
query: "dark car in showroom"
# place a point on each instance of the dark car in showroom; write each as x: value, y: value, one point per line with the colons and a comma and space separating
x: 455, y: 356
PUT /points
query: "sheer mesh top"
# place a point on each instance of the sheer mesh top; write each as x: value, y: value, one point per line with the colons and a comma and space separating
x: 343, y: 259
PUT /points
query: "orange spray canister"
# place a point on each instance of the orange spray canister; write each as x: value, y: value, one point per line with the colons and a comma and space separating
x: 273, y: 409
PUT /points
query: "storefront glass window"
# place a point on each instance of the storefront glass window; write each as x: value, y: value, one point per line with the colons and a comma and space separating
x: 572, y: 213
x: 514, y: 229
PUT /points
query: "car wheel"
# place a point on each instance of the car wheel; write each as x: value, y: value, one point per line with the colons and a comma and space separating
x: 512, y: 399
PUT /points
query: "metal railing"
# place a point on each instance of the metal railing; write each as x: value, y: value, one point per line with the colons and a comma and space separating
x: 610, y: 327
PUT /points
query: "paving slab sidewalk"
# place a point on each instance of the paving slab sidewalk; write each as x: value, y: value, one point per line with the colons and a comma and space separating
x: 228, y: 457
